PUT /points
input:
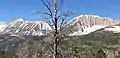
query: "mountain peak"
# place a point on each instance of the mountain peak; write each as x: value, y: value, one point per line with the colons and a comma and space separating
x: 87, y: 16
x: 19, y: 19
x: 80, y: 25
x: 21, y: 27
x: 85, y: 24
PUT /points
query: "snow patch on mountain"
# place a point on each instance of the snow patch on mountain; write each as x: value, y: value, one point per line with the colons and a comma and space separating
x: 21, y: 27
x: 87, y: 16
x: 2, y: 26
x: 115, y: 29
x: 85, y: 24
x: 87, y: 30
x: 80, y: 25
x: 83, y: 16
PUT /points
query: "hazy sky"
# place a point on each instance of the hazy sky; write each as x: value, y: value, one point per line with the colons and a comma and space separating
x: 12, y: 9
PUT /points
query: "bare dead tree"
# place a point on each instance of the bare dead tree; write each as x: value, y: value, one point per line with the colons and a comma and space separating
x: 54, y: 14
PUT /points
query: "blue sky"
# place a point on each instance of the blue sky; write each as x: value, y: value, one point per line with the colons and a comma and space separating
x: 12, y: 9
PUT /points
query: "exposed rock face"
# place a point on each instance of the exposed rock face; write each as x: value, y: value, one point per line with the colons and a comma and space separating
x: 92, y: 27
x: 80, y: 25
x: 85, y: 24
x: 90, y: 20
x: 21, y: 27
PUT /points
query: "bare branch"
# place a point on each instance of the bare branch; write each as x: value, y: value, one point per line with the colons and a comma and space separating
x: 61, y: 2
x: 51, y: 50
x: 53, y: 12
x: 64, y: 16
x: 47, y: 13
x: 47, y: 4
x: 63, y: 19
x: 60, y: 52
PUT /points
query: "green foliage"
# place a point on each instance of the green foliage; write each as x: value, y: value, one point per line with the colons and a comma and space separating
x: 96, y: 50
x: 75, y: 52
x: 100, y: 54
x: 88, y: 49
x: 6, y: 54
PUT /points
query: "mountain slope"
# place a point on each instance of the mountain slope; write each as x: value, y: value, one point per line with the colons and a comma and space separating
x: 80, y: 25
x: 85, y: 24
x: 21, y: 27
x: 2, y: 26
x: 83, y: 30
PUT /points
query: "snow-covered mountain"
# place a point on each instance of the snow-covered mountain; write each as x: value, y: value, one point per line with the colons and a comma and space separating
x: 80, y: 25
x: 93, y: 28
x: 2, y: 26
x: 21, y: 27
x: 85, y: 24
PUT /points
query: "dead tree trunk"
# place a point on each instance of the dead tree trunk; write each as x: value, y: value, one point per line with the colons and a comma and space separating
x: 53, y: 7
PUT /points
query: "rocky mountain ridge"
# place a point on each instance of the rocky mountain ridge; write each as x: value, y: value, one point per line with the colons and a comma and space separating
x: 2, y: 26
x: 21, y: 27
x: 85, y: 24
x: 80, y: 25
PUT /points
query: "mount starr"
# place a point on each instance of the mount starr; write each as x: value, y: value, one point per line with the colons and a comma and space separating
x: 85, y: 24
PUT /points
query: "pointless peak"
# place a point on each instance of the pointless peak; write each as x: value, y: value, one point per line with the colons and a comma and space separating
x: 22, y: 27
x: 22, y: 20
x: 19, y: 19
